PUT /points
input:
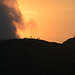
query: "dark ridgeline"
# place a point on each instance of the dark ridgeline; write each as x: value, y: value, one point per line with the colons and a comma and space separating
x: 39, y: 57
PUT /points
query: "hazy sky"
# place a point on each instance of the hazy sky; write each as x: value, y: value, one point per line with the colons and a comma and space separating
x: 54, y: 19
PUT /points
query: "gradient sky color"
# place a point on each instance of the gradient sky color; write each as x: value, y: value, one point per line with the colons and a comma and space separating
x: 55, y: 19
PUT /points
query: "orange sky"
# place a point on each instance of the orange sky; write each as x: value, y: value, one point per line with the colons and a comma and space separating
x: 53, y: 20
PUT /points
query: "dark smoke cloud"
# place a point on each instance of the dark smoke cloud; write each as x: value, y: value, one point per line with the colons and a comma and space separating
x: 9, y: 16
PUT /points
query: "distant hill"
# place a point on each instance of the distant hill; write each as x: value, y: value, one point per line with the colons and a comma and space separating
x: 70, y: 41
x: 39, y: 57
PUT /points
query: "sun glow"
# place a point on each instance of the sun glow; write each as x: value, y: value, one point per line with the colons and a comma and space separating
x: 29, y: 28
x: 26, y: 29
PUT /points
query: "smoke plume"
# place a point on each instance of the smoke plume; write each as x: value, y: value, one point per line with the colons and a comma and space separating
x: 10, y: 18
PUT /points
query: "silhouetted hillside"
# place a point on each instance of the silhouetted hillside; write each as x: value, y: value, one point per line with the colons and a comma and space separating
x: 39, y: 57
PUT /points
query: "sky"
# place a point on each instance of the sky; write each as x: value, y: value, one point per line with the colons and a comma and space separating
x: 51, y: 20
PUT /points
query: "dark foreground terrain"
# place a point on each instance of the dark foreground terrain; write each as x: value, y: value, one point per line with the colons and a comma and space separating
x: 38, y: 57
